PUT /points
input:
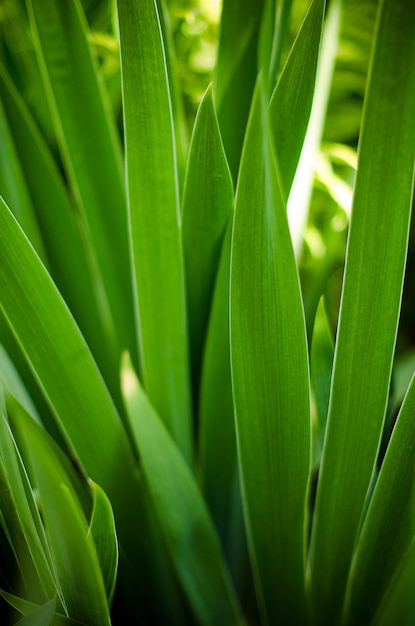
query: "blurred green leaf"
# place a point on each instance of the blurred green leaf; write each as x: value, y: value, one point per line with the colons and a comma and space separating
x: 13, y: 384
x: 13, y: 187
x: 290, y: 105
x: 391, y: 513
x: 103, y: 534
x: 178, y: 113
x: 42, y: 616
x: 236, y: 72
x: 26, y: 608
x: 398, y: 606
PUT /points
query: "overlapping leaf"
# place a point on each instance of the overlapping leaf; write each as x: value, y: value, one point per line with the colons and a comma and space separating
x: 182, y: 513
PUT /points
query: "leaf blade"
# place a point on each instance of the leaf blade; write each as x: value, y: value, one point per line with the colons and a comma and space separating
x: 207, y: 206
x: 267, y: 340
x: 90, y: 150
x: 368, y: 322
x: 154, y: 215
x: 190, y: 535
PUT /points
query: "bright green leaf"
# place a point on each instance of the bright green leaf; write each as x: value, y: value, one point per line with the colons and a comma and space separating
x: 270, y: 378
x: 207, y: 206
x: 69, y: 252
x: 154, y: 214
x: 371, y: 297
x: 85, y: 412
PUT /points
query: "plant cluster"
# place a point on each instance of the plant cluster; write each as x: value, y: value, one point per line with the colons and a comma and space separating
x: 183, y: 437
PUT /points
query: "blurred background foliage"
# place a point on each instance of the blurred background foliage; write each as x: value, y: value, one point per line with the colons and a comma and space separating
x: 195, y: 25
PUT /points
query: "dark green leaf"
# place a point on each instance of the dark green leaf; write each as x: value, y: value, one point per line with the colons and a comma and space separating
x: 182, y: 513
x: 103, y: 534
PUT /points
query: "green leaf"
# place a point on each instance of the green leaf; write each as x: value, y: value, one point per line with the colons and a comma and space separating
x: 20, y: 604
x: 59, y: 221
x: 13, y: 384
x: 155, y: 218
x: 22, y: 522
x: 103, y: 534
x: 181, y: 511
x: 270, y: 378
x: 74, y: 558
x: 90, y: 150
x: 59, y: 356
x: 398, y: 606
x: 290, y: 105
x: 177, y: 104
x: 322, y: 352
x: 302, y: 185
x: 207, y: 206
x: 84, y: 410
x: 26, y: 608
x: 218, y: 454
x: 281, y: 32
x: 13, y: 186
x: 236, y: 72
x: 41, y: 616
x: 371, y: 297
x: 265, y: 44
x: 391, y: 514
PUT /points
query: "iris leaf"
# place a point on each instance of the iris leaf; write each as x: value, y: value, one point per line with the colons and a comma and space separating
x: 371, y: 296
x: 270, y: 377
